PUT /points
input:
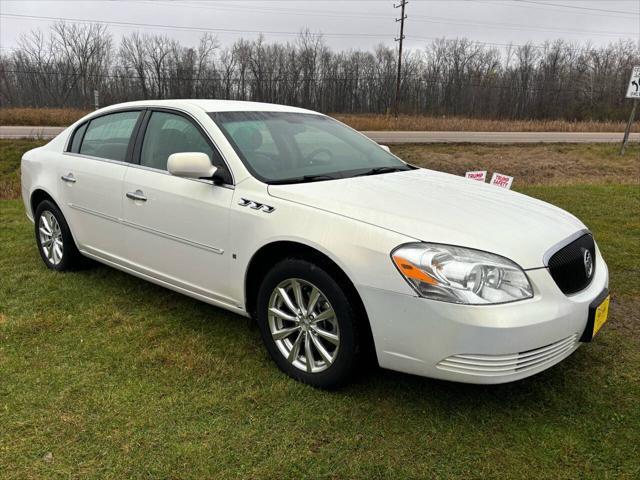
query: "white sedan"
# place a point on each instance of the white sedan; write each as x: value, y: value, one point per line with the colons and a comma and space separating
x: 336, y: 247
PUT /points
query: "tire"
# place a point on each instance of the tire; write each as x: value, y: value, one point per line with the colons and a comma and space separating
x: 321, y: 328
x: 61, y: 253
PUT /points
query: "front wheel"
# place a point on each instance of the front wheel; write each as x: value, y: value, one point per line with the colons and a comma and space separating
x: 308, y: 324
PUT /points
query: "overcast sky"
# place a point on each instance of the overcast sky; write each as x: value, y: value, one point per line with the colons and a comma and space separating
x: 344, y: 23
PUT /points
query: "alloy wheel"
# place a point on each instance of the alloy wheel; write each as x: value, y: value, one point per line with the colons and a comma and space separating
x: 50, y: 236
x: 303, y: 325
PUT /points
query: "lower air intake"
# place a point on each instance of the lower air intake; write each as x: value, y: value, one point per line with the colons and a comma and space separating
x: 510, y: 364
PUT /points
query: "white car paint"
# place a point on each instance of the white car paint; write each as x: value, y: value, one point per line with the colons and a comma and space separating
x: 196, y: 238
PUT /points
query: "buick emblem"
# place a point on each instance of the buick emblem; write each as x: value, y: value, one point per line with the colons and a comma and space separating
x: 588, y: 263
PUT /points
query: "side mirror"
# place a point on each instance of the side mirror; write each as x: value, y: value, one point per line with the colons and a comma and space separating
x: 385, y: 148
x: 190, y: 165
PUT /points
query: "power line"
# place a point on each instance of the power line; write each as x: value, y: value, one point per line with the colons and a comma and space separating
x: 269, y: 9
x: 576, y: 7
x: 502, y: 4
x: 516, y: 26
x: 178, y: 27
x: 240, y: 32
x: 418, y: 18
x: 505, y: 3
x: 437, y: 20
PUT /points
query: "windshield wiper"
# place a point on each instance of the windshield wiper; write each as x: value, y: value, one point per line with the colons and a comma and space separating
x: 315, y: 178
x: 304, y: 179
x: 378, y: 170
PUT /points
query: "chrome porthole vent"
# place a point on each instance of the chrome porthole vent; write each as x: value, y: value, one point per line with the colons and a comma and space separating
x: 245, y: 202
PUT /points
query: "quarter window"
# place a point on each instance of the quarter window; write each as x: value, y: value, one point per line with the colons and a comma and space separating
x: 169, y: 133
x: 108, y: 136
x: 77, y: 138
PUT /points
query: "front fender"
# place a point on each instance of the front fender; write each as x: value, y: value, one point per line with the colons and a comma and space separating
x: 359, y: 249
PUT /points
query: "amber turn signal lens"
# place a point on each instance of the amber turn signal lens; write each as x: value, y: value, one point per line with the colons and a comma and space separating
x: 409, y: 270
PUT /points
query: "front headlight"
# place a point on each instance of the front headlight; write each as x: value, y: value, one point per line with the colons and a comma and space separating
x: 461, y: 275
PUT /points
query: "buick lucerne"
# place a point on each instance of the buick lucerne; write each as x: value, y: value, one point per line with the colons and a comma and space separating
x: 342, y: 253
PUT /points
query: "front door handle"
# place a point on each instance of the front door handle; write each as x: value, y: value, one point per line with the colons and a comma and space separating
x: 69, y: 178
x: 137, y: 195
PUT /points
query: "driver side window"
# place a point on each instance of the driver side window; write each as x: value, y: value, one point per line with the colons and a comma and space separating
x: 169, y: 133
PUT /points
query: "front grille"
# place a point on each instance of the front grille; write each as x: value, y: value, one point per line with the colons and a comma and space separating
x: 510, y: 364
x: 567, y: 265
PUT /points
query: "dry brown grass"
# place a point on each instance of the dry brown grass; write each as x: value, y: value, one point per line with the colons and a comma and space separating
x: 61, y: 117
x: 532, y: 164
x: 53, y: 117
x: 371, y: 122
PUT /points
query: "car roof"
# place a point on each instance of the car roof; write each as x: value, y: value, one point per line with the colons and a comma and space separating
x: 215, y: 105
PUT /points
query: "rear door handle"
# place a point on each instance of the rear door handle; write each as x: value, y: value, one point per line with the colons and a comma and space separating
x: 137, y: 195
x: 69, y: 178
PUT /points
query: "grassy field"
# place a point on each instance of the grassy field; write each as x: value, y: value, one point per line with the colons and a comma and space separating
x: 63, y: 117
x: 103, y: 375
x: 55, y: 117
x: 367, y: 122
x: 10, y: 154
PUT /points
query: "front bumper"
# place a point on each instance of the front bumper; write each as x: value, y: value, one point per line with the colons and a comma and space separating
x: 485, y: 343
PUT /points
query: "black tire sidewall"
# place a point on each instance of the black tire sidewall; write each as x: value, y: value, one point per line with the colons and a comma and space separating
x: 344, y: 365
x: 70, y: 253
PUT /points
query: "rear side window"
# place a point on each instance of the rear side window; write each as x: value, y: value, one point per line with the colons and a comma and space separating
x: 77, y: 138
x: 108, y: 136
x: 168, y: 133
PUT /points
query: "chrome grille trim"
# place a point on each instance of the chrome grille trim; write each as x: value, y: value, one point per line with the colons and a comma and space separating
x: 561, y: 244
x: 568, y: 266
x: 509, y: 364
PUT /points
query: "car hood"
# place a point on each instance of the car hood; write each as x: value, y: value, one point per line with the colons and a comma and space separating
x: 438, y: 207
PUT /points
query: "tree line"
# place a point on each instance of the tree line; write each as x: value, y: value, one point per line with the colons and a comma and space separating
x: 451, y: 77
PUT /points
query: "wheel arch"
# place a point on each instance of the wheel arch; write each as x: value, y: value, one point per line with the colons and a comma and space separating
x: 270, y: 254
x: 37, y: 197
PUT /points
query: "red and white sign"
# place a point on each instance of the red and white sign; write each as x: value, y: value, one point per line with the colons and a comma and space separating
x: 480, y: 175
x: 500, y: 180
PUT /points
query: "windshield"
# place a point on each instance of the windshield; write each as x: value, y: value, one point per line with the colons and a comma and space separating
x: 284, y: 147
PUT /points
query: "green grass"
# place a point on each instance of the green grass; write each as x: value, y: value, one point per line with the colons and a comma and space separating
x: 117, y: 378
x: 11, y: 152
x: 612, y: 212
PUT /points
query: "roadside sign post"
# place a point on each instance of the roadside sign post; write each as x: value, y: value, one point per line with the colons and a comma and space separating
x: 96, y: 97
x: 633, y: 91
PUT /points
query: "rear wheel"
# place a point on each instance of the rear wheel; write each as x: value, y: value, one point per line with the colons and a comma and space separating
x: 308, y: 324
x: 55, y: 243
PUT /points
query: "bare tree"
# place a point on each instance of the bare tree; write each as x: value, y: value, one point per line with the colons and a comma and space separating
x: 133, y: 57
x: 447, y: 77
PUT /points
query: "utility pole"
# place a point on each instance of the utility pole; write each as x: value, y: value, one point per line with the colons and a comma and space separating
x: 403, y: 3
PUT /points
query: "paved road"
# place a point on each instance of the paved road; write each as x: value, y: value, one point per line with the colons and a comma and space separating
x: 408, y: 137
x: 497, y: 137
x: 29, y: 132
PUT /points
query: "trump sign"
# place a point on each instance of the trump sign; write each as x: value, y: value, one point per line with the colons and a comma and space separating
x: 500, y: 180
